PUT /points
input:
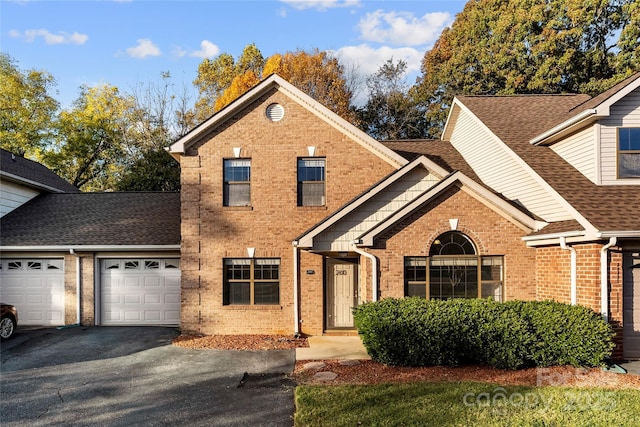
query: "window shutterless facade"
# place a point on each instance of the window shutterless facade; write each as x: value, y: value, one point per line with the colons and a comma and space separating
x: 251, y: 281
x: 629, y: 152
x: 453, y: 270
x: 311, y: 182
x: 237, y: 182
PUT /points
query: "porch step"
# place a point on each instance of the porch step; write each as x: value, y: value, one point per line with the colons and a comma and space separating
x: 340, y: 333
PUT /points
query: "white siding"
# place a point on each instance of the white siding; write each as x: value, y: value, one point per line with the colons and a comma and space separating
x: 579, y: 150
x: 496, y: 166
x: 13, y: 195
x: 624, y: 113
x: 339, y: 236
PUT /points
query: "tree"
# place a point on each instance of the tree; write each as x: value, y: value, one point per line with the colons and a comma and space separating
x: 91, y: 148
x: 215, y: 77
x: 391, y: 111
x: 154, y: 170
x: 529, y: 46
x: 27, y: 110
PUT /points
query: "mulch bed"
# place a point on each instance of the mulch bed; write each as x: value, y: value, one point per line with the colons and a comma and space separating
x: 369, y: 372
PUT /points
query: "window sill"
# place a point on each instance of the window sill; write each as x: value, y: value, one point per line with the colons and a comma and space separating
x: 312, y: 208
x: 237, y: 208
x: 252, y: 307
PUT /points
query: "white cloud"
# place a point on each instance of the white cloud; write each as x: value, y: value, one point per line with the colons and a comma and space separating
x: 367, y: 60
x: 320, y: 4
x: 207, y: 50
x: 30, y: 36
x: 144, y: 48
x: 403, y: 28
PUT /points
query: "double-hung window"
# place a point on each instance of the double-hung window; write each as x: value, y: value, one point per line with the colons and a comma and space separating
x: 251, y: 281
x: 311, y: 182
x: 237, y: 182
x: 629, y: 152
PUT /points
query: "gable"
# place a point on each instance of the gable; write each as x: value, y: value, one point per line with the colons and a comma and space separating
x: 275, y: 83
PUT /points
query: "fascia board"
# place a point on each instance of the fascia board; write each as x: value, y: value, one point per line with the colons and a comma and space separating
x: 306, y: 240
x: 313, y: 106
x: 584, y: 118
x: 89, y: 248
x: 525, y: 166
x: 448, y: 125
x: 486, y: 197
x: 28, y: 182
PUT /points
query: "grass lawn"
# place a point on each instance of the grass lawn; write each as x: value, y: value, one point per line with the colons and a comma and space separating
x: 464, y: 404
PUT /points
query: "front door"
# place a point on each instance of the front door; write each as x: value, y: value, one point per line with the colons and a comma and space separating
x: 341, y: 292
x: 631, y: 305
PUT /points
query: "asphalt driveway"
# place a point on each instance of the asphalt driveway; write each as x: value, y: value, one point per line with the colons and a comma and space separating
x: 123, y: 376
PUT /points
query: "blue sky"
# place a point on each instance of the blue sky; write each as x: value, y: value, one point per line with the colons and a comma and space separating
x: 126, y: 43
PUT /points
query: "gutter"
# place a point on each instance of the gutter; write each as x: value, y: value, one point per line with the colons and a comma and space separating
x: 374, y: 268
x: 573, y: 274
x: 604, y: 278
x: 96, y: 248
x: 296, y: 316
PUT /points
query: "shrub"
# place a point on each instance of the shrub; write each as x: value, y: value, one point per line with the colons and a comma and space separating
x: 420, y: 332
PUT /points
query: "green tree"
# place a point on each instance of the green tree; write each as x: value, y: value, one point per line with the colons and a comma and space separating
x: 391, y: 111
x: 27, y: 110
x: 154, y: 170
x: 91, y: 149
x: 529, y: 46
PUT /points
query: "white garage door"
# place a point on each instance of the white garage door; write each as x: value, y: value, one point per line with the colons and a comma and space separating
x: 36, y: 288
x: 140, y: 292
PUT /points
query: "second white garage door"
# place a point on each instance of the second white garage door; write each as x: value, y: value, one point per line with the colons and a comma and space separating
x: 140, y: 292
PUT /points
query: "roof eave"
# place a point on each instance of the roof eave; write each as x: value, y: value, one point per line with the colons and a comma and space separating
x: 89, y: 248
x: 568, y: 126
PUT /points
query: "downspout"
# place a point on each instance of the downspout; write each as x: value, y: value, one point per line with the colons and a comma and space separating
x: 574, y: 279
x: 374, y: 269
x: 604, y: 278
x: 78, y: 284
x: 296, y: 317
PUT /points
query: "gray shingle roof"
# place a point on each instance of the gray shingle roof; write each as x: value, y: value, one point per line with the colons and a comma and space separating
x: 37, y: 175
x: 94, y: 219
x: 516, y: 119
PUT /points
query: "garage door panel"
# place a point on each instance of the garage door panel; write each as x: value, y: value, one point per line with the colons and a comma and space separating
x: 146, y: 292
x: 36, y: 288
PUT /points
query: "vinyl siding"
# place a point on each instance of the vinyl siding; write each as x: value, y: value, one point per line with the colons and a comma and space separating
x: 339, y: 236
x: 624, y: 113
x: 496, y: 166
x: 13, y: 195
x: 579, y: 150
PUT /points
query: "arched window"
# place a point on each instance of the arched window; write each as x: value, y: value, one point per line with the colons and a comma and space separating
x: 454, y: 269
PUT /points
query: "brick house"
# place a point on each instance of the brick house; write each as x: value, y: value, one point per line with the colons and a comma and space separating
x: 291, y: 216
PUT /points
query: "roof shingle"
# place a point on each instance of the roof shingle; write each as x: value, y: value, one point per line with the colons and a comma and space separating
x: 40, y: 175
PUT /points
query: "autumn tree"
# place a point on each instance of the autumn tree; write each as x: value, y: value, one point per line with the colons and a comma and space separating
x: 391, y: 111
x: 27, y: 110
x: 216, y: 75
x: 530, y: 46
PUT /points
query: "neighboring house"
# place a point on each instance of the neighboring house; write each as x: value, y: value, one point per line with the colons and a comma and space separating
x: 291, y: 215
x: 91, y: 258
x: 22, y: 179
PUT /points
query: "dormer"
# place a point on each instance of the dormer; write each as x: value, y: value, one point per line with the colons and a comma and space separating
x: 601, y: 138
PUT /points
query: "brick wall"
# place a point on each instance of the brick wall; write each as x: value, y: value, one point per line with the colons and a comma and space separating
x: 491, y: 233
x: 211, y: 232
x: 87, y: 297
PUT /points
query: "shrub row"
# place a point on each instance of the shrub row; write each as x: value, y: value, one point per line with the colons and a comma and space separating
x: 516, y: 334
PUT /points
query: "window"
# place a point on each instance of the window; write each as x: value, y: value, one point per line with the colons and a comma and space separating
x: 455, y: 271
x: 237, y: 182
x: 628, y: 152
x: 251, y: 281
x: 311, y: 180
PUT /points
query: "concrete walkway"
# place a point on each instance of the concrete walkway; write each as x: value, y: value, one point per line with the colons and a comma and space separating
x: 333, y: 348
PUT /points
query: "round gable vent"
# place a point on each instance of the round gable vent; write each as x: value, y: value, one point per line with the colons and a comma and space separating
x: 275, y: 112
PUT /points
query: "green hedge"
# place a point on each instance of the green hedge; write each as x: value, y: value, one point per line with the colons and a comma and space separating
x: 517, y: 334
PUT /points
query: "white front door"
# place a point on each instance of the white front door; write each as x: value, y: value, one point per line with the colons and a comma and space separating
x: 36, y: 287
x: 140, y: 292
x: 631, y: 305
x: 342, y: 288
